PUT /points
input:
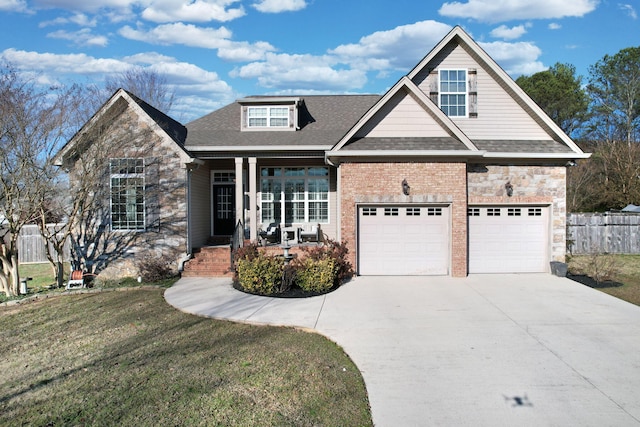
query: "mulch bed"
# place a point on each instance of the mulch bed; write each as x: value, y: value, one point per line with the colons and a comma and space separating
x: 592, y: 283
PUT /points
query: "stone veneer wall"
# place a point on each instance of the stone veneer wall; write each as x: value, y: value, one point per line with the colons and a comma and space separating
x: 380, y: 183
x: 544, y: 185
x: 165, y: 197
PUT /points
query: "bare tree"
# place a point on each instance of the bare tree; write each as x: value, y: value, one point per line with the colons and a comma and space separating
x: 31, y: 127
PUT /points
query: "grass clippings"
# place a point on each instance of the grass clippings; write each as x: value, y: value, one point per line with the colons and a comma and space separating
x: 127, y: 358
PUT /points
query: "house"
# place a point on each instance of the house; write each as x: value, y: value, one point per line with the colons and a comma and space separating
x: 454, y: 170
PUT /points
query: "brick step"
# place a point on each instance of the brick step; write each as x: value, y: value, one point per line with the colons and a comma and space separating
x: 210, y: 261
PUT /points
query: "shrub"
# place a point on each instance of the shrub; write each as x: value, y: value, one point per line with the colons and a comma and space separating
x: 261, y: 275
x: 337, y: 251
x: 153, y: 269
x: 247, y: 252
x: 316, y: 275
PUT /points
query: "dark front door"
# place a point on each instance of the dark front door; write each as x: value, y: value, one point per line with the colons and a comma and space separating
x: 223, y: 210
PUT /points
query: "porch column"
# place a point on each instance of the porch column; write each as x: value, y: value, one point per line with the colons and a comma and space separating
x: 239, y: 191
x: 253, y: 199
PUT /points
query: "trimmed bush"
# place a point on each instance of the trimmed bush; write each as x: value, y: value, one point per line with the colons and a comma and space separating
x: 316, y: 275
x: 336, y: 251
x: 261, y: 275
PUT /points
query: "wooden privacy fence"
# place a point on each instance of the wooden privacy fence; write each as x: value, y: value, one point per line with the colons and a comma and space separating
x: 609, y: 232
x: 31, y: 245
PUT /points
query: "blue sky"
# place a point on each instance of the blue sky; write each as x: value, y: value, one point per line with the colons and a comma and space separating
x: 215, y: 51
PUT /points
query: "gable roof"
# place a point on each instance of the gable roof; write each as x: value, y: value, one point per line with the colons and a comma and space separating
x: 163, y: 125
x: 558, y: 146
x: 322, y: 120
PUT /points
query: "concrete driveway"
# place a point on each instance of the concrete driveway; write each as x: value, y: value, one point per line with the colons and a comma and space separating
x: 486, y: 350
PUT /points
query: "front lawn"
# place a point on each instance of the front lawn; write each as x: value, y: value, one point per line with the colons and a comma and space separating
x: 624, y: 282
x: 127, y: 358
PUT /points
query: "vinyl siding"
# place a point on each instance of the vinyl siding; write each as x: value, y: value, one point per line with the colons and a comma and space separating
x: 499, y: 115
x: 200, y: 207
x: 402, y: 116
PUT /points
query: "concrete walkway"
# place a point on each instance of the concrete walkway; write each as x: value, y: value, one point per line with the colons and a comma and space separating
x: 486, y: 350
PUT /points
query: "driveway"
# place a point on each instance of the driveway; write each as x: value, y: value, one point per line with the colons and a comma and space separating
x: 486, y: 350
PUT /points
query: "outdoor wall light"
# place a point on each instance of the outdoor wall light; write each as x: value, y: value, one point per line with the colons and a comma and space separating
x: 509, y: 188
x: 405, y: 187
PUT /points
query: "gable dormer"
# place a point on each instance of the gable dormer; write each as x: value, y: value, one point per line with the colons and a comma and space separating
x: 269, y: 113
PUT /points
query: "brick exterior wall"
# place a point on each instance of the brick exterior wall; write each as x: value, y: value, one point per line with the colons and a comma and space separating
x: 543, y: 185
x: 381, y: 183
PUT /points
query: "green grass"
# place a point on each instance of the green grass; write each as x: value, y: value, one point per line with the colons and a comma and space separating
x: 127, y: 358
x: 625, y: 278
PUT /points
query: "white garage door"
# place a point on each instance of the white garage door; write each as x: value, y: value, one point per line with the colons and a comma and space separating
x: 403, y: 240
x: 511, y: 239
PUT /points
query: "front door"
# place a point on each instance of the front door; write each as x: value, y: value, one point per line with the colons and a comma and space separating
x: 223, y: 210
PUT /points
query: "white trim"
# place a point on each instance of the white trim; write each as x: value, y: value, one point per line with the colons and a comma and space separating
x: 510, y: 155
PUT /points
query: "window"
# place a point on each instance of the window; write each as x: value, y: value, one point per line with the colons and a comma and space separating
x: 127, y: 194
x: 434, y: 212
x: 269, y: 117
x: 493, y: 211
x: 305, y: 192
x: 514, y: 212
x: 390, y: 211
x: 413, y: 211
x: 453, y: 92
x: 369, y: 211
x: 535, y: 212
x: 473, y: 211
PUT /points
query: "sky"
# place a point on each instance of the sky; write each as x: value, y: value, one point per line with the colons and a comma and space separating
x: 212, y: 52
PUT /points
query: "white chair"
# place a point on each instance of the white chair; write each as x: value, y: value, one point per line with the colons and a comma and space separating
x: 309, y: 232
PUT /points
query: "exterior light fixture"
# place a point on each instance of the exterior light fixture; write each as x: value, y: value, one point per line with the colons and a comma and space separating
x: 509, y: 188
x: 405, y: 187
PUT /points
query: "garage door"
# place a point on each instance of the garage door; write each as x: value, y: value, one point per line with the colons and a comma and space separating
x: 403, y: 240
x: 512, y: 239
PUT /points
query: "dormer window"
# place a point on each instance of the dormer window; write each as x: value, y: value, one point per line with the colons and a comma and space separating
x: 266, y: 113
x: 453, y: 92
x: 270, y: 117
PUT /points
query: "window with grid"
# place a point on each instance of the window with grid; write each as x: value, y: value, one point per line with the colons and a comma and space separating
x: 453, y: 92
x: 127, y: 194
x: 270, y: 117
x: 473, y: 211
x: 305, y: 192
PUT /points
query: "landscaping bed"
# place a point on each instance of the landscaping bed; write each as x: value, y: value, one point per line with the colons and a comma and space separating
x: 617, y: 275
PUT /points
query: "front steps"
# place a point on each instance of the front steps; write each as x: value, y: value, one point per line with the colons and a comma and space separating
x: 210, y: 261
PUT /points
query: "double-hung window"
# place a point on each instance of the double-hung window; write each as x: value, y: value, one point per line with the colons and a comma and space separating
x: 127, y: 194
x: 294, y: 194
x: 268, y: 117
x: 453, y: 92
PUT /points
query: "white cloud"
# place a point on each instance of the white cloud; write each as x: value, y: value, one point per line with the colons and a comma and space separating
x: 82, y: 37
x: 506, y: 33
x: 79, y: 19
x: 284, y: 71
x: 515, y: 58
x: 192, y: 11
x: 277, y: 6
x: 208, y: 38
x: 554, y: 26
x: 398, y: 48
x: 13, y: 6
x: 629, y: 9
x: 190, y: 81
x: 179, y: 33
x: 505, y: 10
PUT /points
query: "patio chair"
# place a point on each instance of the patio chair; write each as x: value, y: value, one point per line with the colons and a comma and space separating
x: 271, y: 234
x: 309, y: 232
